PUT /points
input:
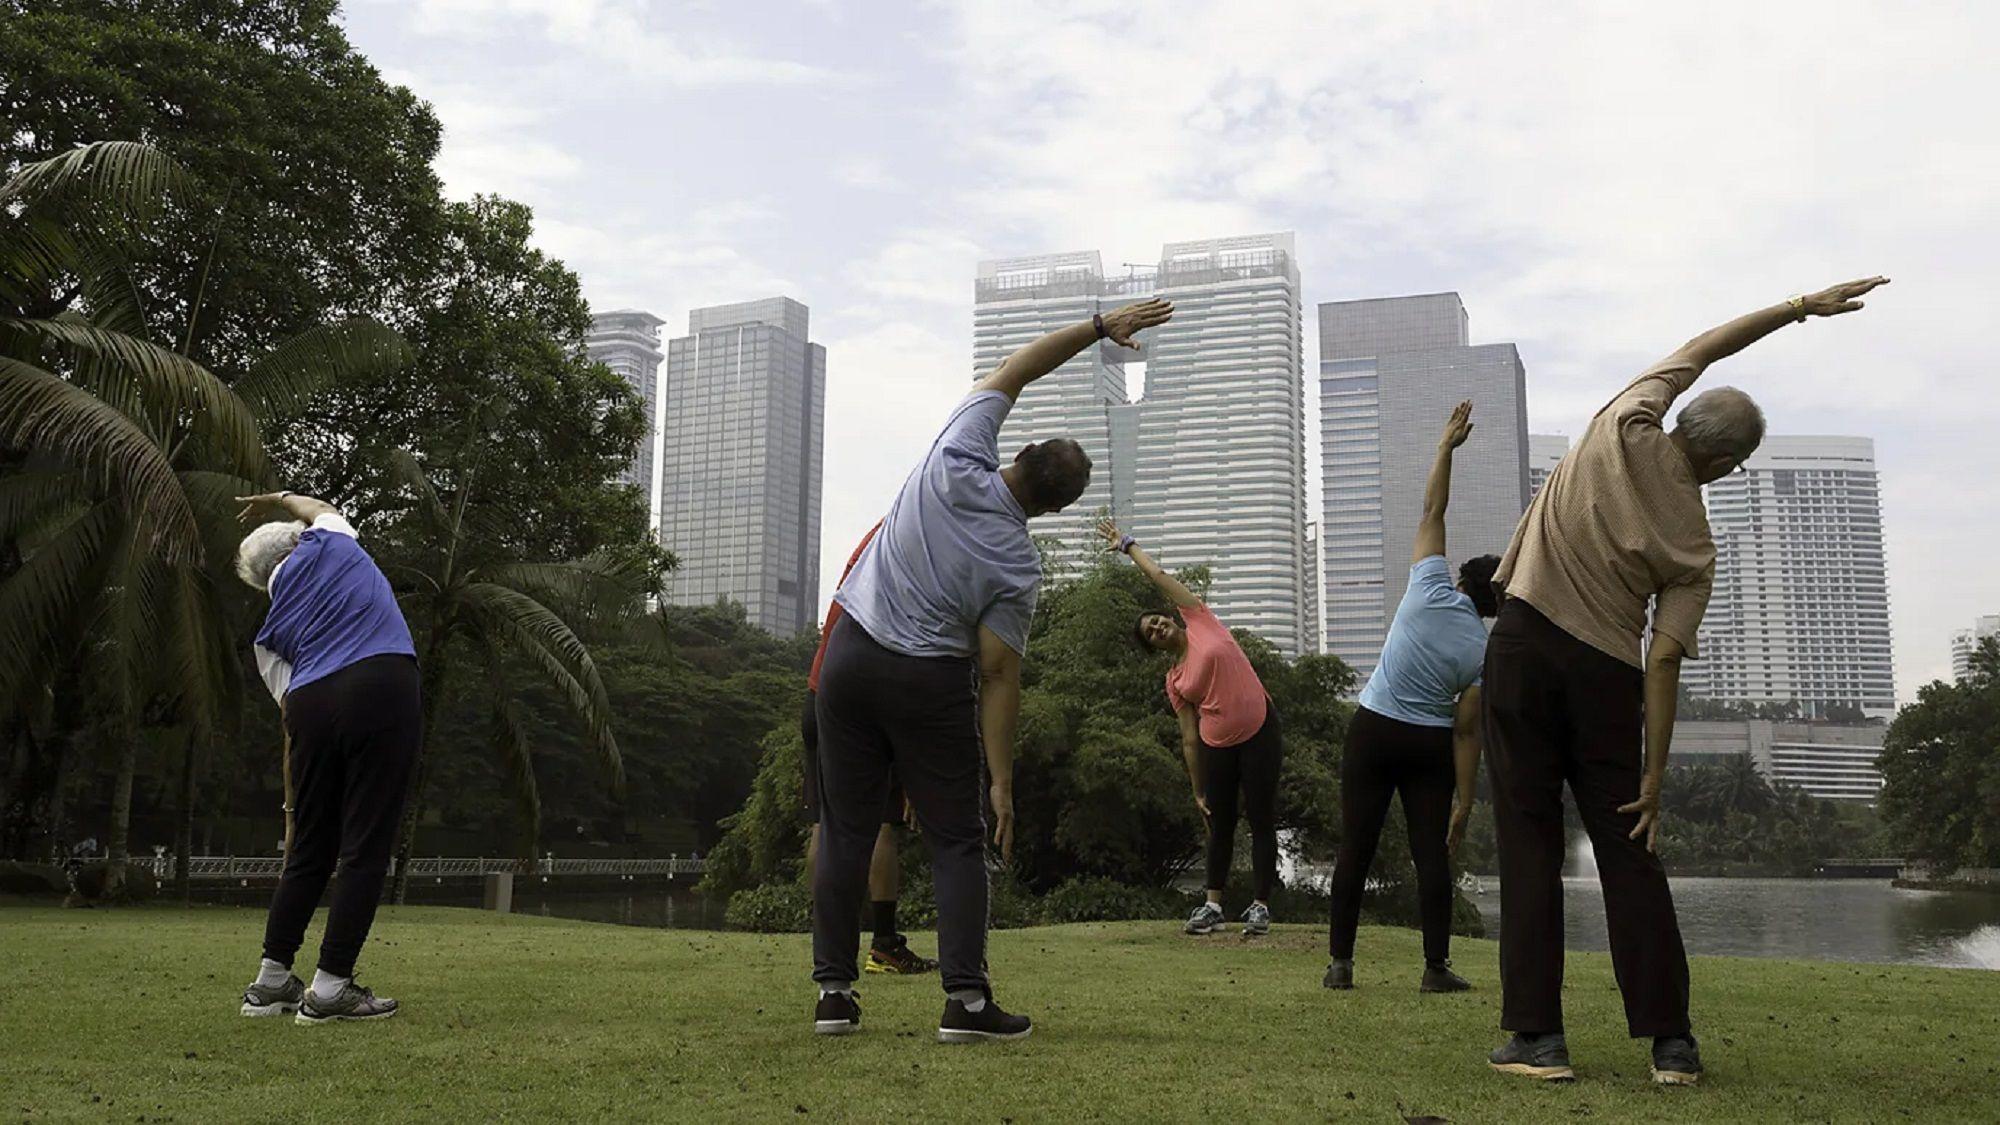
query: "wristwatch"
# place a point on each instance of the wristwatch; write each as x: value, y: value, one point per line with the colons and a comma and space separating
x: 1097, y: 320
x: 1798, y: 304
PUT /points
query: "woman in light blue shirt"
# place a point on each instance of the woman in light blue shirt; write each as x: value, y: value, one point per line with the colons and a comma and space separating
x: 1416, y: 732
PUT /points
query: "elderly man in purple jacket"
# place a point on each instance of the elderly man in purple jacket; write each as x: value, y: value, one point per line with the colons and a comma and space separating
x: 336, y: 654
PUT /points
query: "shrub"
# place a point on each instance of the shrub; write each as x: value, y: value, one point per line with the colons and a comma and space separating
x: 1103, y: 900
x: 774, y: 908
x: 32, y: 879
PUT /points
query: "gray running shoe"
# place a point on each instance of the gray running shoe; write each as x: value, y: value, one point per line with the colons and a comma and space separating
x: 1676, y: 1060
x: 1206, y: 919
x: 1257, y: 920
x: 281, y: 1000
x: 1537, y: 1056
x: 353, y: 1003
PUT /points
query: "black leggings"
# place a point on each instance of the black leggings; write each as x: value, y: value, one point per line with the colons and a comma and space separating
x: 1252, y: 767
x: 1384, y: 757
x: 354, y: 739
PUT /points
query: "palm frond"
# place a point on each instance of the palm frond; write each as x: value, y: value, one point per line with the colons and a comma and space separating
x: 164, y: 380
x: 583, y: 592
x: 288, y: 376
x: 128, y: 174
x: 46, y: 603
x: 30, y: 497
x: 40, y: 411
x: 531, y: 631
x: 510, y: 734
x: 405, y: 470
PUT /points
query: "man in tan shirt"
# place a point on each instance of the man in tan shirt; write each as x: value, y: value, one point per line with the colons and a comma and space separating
x: 1575, y: 684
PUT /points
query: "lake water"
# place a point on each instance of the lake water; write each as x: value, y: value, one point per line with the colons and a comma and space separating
x: 1814, y: 919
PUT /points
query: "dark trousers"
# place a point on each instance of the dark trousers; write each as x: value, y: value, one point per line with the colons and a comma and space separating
x: 880, y: 710
x: 1251, y: 768
x: 1386, y: 757
x: 1558, y: 710
x: 354, y: 740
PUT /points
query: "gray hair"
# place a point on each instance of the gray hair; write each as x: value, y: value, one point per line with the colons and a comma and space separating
x: 1723, y: 422
x: 264, y: 548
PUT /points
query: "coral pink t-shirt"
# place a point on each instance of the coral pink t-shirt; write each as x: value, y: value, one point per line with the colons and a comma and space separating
x: 1216, y: 679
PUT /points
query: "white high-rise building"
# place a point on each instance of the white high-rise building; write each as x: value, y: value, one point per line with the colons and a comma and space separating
x: 740, y: 480
x: 1965, y: 642
x: 1545, y: 452
x: 1800, y: 611
x: 1390, y: 371
x: 628, y: 342
x: 1209, y: 467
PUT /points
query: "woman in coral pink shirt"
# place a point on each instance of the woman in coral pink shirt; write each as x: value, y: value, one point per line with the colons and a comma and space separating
x: 1229, y: 736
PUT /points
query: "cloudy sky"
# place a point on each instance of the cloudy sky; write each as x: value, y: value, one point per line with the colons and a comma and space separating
x: 1599, y: 182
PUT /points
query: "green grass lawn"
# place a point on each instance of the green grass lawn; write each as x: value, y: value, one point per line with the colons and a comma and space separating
x: 131, y: 1015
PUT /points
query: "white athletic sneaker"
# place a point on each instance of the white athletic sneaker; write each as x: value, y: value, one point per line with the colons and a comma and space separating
x: 1257, y: 920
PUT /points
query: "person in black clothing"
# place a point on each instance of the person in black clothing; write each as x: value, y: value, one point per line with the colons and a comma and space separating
x: 1416, y: 733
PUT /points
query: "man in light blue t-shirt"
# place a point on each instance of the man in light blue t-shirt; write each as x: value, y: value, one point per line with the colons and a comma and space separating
x: 1416, y: 733
x: 924, y: 667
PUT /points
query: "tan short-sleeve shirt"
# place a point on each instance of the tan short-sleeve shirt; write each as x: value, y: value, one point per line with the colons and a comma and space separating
x: 1619, y: 523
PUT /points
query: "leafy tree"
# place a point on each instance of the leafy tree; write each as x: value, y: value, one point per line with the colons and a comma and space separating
x: 312, y: 196
x: 1941, y: 771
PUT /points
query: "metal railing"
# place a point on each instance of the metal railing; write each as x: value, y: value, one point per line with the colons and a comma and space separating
x: 224, y: 867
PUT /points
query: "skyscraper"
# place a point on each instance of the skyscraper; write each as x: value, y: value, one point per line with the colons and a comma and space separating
x: 740, y: 477
x: 628, y: 342
x: 1965, y: 642
x: 1800, y: 611
x: 1545, y: 452
x: 1390, y: 371
x: 1209, y: 466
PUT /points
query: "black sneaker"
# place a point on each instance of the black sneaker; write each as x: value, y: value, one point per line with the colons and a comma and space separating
x: 1676, y: 1060
x: 1538, y: 1056
x: 839, y: 1013
x: 987, y: 1025
x: 282, y: 1000
x: 1438, y: 977
x: 352, y: 1003
x: 1339, y: 974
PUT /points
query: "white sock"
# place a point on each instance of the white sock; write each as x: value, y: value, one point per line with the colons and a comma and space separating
x: 270, y: 974
x: 326, y: 986
x: 974, y: 999
x: 830, y: 988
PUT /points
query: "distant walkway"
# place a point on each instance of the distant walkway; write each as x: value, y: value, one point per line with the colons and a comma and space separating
x: 222, y: 868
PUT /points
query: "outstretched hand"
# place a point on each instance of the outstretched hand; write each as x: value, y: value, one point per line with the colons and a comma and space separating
x: 252, y: 503
x: 1458, y: 427
x: 1842, y: 298
x: 1121, y: 324
x: 1108, y: 528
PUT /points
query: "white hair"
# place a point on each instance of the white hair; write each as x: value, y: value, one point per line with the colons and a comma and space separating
x: 264, y: 548
x: 1723, y: 422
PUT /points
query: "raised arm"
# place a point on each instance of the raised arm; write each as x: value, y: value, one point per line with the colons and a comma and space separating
x: 288, y: 505
x: 1169, y: 585
x: 1055, y: 349
x: 1437, y: 492
x: 999, y: 714
x: 1726, y: 340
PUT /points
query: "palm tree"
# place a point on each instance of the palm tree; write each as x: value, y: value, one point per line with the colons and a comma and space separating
x: 477, y: 612
x: 117, y: 459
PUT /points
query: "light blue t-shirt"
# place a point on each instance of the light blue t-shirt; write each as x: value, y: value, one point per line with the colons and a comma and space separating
x: 953, y: 552
x: 1436, y: 649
